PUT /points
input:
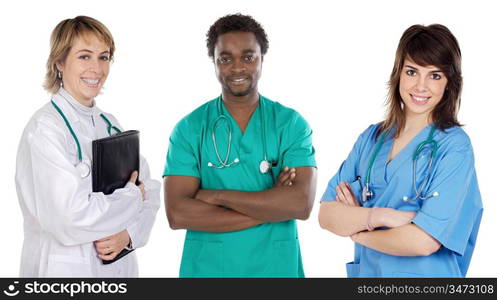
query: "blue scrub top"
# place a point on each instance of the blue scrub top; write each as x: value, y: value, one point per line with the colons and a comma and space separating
x: 266, y: 250
x: 453, y: 218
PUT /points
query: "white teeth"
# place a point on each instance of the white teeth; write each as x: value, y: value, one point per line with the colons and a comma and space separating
x: 91, y: 81
x: 420, y: 98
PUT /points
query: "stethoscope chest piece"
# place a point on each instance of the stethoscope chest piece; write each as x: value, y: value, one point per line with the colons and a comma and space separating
x: 83, y: 169
x: 264, y: 166
x: 366, y: 193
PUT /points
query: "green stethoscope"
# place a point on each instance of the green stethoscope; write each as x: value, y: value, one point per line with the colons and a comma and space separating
x: 367, y: 193
x: 83, y: 167
x: 264, y: 166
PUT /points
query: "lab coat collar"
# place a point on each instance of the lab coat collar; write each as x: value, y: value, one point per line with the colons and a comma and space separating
x: 72, y: 108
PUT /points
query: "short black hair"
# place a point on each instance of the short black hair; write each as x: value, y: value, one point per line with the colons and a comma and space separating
x: 236, y: 22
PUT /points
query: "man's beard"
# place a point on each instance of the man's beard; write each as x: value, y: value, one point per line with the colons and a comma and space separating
x: 239, y: 94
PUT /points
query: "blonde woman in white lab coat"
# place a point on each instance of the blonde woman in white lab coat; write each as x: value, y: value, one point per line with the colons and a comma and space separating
x: 68, y: 229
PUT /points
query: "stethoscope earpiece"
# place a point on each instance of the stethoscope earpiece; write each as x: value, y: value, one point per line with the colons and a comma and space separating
x: 406, y: 199
x: 223, y: 165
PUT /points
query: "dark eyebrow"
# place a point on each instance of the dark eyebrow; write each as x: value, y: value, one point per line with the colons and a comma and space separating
x: 434, y: 71
x: 246, y: 51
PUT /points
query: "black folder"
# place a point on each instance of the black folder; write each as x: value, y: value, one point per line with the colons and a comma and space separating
x: 114, y: 159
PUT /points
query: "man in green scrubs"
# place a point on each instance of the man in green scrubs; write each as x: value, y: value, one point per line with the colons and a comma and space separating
x: 240, y: 168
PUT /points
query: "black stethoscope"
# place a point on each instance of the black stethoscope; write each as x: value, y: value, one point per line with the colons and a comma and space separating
x: 83, y: 168
x: 264, y: 166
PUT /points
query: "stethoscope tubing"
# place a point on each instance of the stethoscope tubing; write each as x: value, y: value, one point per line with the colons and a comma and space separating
x: 367, y: 193
x: 223, y: 163
x: 85, y: 171
x: 221, y: 116
x: 76, y: 140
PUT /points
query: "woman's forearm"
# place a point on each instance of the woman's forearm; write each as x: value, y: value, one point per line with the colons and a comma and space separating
x: 342, y: 219
x: 345, y: 220
x: 406, y: 240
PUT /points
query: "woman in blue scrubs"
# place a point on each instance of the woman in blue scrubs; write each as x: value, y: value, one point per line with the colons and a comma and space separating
x: 407, y: 194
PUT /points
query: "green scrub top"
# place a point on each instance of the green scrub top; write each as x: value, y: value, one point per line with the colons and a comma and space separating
x: 265, y: 250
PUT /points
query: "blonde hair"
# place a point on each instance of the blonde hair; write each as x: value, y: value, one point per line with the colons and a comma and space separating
x: 62, y: 39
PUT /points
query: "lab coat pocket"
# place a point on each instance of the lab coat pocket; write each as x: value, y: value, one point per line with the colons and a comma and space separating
x: 285, y: 261
x: 68, y: 266
x: 202, y: 259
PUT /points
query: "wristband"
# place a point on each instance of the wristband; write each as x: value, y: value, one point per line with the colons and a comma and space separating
x: 369, y: 225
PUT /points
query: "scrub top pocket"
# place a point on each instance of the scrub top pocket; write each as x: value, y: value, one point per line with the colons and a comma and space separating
x: 284, y: 263
x: 356, y: 187
x: 202, y: 259
x: 352, y: 269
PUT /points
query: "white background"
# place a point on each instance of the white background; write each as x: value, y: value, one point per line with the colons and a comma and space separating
x: 328, y: 60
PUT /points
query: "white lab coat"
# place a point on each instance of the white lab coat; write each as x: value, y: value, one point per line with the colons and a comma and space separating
x: 62, y: 216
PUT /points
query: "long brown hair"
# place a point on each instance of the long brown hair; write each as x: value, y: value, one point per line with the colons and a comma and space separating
x: 432, y: 45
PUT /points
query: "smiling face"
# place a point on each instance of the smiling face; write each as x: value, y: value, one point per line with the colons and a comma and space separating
x: 421, y: 88
x: 238, y: 63
x: 85, y: 68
